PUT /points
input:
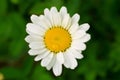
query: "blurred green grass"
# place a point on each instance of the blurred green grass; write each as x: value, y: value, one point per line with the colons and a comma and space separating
x: 101, y: 58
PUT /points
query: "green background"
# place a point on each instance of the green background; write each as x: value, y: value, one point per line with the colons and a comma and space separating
x: 101, y: 58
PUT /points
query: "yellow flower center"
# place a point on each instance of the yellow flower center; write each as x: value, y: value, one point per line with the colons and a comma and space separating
x: 57, y: 39
x: 1, y: 76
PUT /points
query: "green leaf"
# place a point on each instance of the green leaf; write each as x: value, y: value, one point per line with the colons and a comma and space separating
x: 41, y: 74
x: 114, y: 57
x: 74, y: 8
x: 91, y: 75
x: 39, y: 7
x: 27, y: 66
x: 16, y: 48
x: 15, y: 1
x: 5, y: 27
x: 3, y: 7
x: 18, y: 25
x: 17, y: 44
x: 11, y: 73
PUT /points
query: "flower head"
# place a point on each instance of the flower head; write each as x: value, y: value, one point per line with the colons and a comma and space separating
x: 57, y: 39
x: 1, y: 76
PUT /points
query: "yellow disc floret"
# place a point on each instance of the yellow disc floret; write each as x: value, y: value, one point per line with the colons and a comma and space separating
x: 57, y: 39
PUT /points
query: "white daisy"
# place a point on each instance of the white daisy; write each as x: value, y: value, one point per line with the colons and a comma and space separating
x: 56, y: 39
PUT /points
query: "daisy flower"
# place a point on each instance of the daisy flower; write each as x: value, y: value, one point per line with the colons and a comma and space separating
x: 56, y: 39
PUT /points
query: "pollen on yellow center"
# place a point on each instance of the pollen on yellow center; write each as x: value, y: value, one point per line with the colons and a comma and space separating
x: 57, y: 39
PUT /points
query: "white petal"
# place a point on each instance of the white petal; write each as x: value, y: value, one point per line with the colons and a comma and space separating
x: 76, y: 54
x: 85, y: 26
x: 50, y: 65
x: 66, y: 63
x: 63, y: 11
x: 34, y: 29
x: 69, y: 24
x: 41, y: 56
x: 72, y: 60
x: 60, y: 57
x: 44, y: 22
x: 78, y: 45
x: 33, y: 52
x: 36, y: 45
x: 53, y: 9
x: 31, y: 38
x: 46, y: 11
x: 65, y: 21
x: 55, y: 17
x: 40, y: 21
x: 45, y: 61
x: 78, y: 34
x: 72, y: 64
x: 59, y: 19
x: 75, y: 18
x: 57, y: 68
x: 48, y: 15
x: 85, y: 38
x: 73, y: 28
x: 35, y: 19
x: 28, y: 39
